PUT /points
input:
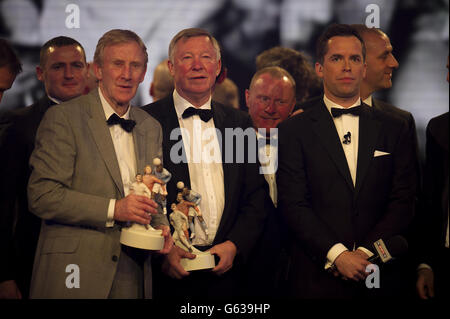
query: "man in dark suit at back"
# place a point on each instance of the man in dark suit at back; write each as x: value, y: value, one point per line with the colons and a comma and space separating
x: 234, y: 195
x: 381, y: 63
x: 63, y: 70
x: 10, y: 66
x: 433, y: 227
x: 350, y: 180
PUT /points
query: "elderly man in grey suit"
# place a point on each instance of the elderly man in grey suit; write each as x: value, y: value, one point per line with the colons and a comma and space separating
x: 87, y: 153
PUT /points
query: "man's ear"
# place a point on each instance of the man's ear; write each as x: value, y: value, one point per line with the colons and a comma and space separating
x: 219, y: 67
x: 170, y: 65
x: 40, y: 73
x: 97, y: 71
x: 247, y: 95
x: 141, y: 79
x: 319, y: 70
x: 152, y: 90
x: 364, y: 70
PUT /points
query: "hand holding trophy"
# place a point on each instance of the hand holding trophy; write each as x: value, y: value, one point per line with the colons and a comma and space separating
x: 183, y: 214
x: 138, y: 235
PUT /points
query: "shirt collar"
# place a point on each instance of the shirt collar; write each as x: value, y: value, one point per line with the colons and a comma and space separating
x: 368, y: 101
x: 54, y: 100
x: 181, y: 104
x: 329, y: 104
x: 271, y: 135
x: 107, y: 108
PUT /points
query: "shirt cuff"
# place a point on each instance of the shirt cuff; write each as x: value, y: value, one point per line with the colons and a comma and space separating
x: 424, y: 266
x: 333, y: 253
x: 110, y: 217
x: 365, y: 250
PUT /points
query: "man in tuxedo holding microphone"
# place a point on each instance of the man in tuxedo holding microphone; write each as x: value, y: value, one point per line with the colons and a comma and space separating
x: 350, y: 181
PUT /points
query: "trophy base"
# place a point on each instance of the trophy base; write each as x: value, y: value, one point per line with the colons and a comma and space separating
x: 203, y: 260
x: 138, y: 236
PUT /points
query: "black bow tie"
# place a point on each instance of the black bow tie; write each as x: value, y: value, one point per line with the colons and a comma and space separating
x: 205, y: 115
x: 353, y: 110
x: 127, y: 125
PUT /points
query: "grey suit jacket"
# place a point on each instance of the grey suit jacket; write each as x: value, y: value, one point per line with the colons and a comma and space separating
x: 75, y: 173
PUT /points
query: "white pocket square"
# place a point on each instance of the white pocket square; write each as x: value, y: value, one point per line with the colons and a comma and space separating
x: 380, y: 153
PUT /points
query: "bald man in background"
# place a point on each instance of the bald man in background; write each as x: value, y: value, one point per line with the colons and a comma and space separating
x: 381, y: 63
x: 270, y: 99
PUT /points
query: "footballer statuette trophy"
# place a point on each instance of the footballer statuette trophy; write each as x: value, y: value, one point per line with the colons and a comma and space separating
x: 145, y: 236
x: 182, y: 219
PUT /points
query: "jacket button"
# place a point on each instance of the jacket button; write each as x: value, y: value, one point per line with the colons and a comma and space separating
x: 115, y: 258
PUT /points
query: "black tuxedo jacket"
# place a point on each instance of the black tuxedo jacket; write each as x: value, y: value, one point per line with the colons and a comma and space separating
x: 319, y: 201
x: 246, y: 191
x: 408, y: 117
x: 19, y: 228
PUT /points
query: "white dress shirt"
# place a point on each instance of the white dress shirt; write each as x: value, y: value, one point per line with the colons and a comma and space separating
x: 126, y: 158
x: 56, y: 101
x: 344, y: 124
x: 204, y: 159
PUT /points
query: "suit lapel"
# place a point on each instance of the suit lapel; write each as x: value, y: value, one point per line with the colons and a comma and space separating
x: 369, y: 128
x: 102, y: 136
x: 325, y: 129
x: 229, y: 170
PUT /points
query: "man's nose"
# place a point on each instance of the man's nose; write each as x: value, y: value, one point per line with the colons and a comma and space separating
x: 126, y: 72
x: 271, y: 107
x: 197, y: 63
x: 347, y: 66
x: 68, y: 72
x: 393, y: 63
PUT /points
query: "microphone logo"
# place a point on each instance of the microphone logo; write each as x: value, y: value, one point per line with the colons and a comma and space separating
x: 382, y: 251
x: 347, y: 138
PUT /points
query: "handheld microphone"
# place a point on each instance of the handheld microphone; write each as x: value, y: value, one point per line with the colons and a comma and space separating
x: 392, y: 248
x: 347, y: 138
